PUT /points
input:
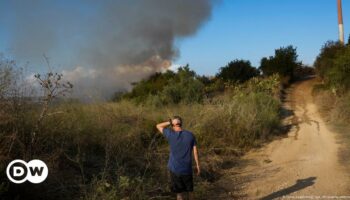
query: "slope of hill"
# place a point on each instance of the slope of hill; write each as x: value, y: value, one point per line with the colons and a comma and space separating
x: 304, y: 163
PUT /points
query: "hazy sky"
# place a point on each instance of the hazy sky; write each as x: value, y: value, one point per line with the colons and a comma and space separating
x: 107, y: 44
x: 251, y: 29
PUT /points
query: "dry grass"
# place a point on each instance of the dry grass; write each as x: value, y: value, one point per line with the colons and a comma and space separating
x: 336, y: 111
x: 113, y: 151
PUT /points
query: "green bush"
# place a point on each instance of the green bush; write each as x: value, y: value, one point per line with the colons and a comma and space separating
x: 237, y: 71
x: 169, y: 88
x: 333, y: 67
x: 338, y: 75
x: 153, y: 85
x: 186, y: 90
x: 325, y: 60
x: 244, y: 119
x: 270, y: 85
x: 284, y: 62
x: 333, y: 94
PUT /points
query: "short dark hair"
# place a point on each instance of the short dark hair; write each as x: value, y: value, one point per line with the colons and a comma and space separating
x: 178, y: 118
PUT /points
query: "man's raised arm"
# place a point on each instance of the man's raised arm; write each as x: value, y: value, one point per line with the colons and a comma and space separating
x: 161, y: 126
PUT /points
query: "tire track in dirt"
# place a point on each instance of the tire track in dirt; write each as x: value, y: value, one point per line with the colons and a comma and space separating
x: 303, y: 164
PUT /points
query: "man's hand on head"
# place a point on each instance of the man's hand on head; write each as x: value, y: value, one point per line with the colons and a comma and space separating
x: 170, y: 121
x: 162, y: 125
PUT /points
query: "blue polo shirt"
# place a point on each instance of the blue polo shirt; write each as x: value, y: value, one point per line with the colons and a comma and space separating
x: 181, y: 146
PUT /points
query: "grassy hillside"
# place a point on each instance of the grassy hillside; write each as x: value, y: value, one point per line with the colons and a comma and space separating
x: 112, y: 150
x: 333, y: 69
x: 333, y: 92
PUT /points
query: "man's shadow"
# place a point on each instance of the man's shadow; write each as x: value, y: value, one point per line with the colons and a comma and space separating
x: 299, y: 185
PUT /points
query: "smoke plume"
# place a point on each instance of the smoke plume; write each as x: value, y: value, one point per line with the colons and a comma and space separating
x: 101, y: 45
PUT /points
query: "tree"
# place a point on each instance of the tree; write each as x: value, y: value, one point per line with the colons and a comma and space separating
x: 325, y: 61
x: 284, y: 62
x: 184, y: 87
x: 237, y: 71
x: 150, y: 86
x: 169, y: 87
x: 338, y: 76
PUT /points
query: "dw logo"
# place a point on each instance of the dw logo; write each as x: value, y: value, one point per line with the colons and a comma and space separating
x: 35, y: 171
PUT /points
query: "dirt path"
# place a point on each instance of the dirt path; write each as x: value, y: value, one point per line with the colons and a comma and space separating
x: 303, y: 165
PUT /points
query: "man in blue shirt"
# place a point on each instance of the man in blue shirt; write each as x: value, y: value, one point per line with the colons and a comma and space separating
x: 182, y: 144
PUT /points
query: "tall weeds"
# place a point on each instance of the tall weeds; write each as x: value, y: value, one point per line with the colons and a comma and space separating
x: 113, y: 151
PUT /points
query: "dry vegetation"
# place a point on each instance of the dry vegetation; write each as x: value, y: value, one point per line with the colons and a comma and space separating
x: 333, y: 93
x: 113, y: 151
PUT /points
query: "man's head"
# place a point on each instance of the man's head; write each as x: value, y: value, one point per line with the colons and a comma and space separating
x: 176, y: 121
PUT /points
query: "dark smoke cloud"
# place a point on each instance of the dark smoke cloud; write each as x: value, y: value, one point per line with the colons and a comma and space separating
x: 97, y: 39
